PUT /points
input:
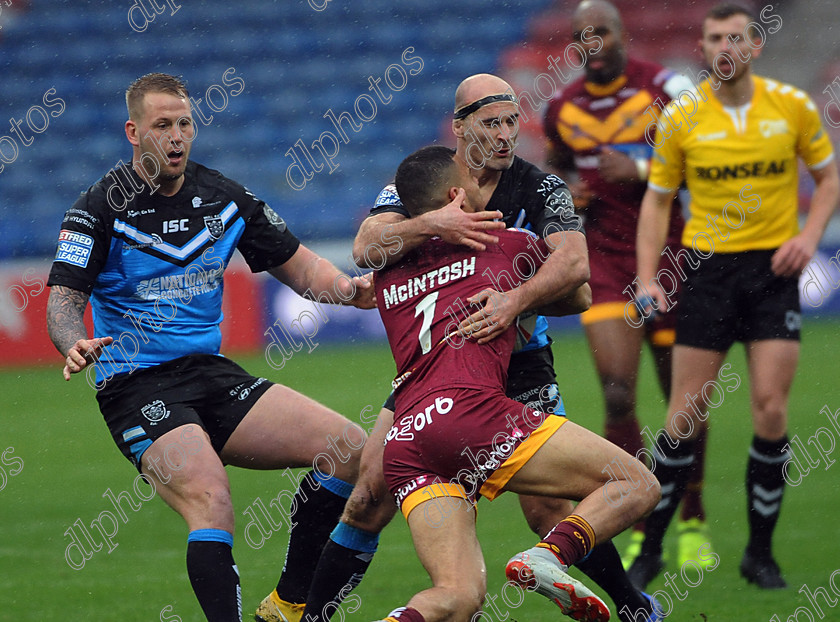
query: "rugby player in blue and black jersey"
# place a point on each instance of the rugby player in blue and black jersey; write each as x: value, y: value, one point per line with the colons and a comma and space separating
x: 520, y: 195
x: 147, y: 245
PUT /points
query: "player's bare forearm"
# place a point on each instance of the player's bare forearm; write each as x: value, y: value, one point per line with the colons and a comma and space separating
x: 563, y: 273
x: 577, y: 302
x: 311, y: 276
x: 652, y: 232
x: 565, y: 270
x: 383, y: 239
x: 66, y: 327
x: 65, y: 317
x: 823, y: 201
x: 794, y: 255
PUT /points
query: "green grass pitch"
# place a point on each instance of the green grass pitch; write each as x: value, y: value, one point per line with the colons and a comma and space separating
x: 69, y: 462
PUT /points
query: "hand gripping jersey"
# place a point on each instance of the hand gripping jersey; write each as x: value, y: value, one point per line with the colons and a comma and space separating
x: 527, y: 198
x: 740, y: 165
x: 422, y: 300
x: 584, y: 118
x: 154, y: 266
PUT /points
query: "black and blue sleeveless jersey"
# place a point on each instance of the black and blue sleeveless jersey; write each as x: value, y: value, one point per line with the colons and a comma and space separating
x: 528, y: 198
x: 153, y: 264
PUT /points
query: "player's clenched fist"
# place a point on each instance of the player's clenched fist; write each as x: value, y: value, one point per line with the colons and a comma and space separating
x: 83, y: 353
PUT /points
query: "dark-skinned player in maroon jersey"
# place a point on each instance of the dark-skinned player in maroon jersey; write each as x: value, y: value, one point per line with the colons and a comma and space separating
x: 597, y: 129
x: 456, y: 435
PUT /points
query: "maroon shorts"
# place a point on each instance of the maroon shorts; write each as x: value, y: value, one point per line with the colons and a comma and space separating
x: 610, y: 275
x: 461, y: 442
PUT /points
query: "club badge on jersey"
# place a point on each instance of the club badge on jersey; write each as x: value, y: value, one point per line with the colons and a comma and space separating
x: 215, y: 226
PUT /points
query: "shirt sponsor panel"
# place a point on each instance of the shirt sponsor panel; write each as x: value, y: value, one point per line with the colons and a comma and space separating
x: 191, y: 283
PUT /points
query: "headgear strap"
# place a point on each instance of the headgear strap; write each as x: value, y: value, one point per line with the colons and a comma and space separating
x: 480, y: 103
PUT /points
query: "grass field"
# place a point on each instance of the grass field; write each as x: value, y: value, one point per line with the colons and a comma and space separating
x: 69, y: 462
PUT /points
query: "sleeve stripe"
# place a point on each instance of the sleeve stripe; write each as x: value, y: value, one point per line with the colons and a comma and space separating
x: 822, y: 164
x: 657, y: 188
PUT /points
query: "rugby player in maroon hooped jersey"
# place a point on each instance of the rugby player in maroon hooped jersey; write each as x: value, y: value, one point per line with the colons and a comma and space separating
x: 596, y: 128
x: 456, y: 435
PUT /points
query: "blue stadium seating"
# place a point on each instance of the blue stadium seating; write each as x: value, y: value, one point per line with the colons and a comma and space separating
x: 296, y: 63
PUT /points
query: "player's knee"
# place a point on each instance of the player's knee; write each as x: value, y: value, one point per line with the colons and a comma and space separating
x: 770, y: 416
x: 367, y: 510
x: 769, y: 407
x: 210, y: 503
x: 619, y: 397
x: 341, y: 461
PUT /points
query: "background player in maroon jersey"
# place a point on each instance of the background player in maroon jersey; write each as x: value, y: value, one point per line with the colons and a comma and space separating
x: 457, y: 435
x: 597, y: 133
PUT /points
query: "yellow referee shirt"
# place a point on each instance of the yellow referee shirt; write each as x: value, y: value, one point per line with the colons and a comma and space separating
x: 740, y: 164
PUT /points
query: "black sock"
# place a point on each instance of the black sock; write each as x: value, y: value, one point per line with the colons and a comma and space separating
x: 765, y: 486
x: 603, y: 566
x: 672, y: 469
x: 316, y: 508
x: 342, y: 566
x: 213, y: 574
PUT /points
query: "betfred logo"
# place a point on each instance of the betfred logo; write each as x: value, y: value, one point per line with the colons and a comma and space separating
x: 73, y: 236
x: 74, y: 248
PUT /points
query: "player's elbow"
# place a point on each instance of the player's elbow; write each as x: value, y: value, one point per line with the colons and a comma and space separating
x: 580, y: 300
x: 579, y: 272
x: 367, y: 254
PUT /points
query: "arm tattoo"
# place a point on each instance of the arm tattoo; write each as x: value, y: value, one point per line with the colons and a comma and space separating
x: 65, y: 317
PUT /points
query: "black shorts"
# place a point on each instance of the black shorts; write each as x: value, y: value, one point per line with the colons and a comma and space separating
x: 531, y: 381
x: 736, y: 297
x: 209, y: 391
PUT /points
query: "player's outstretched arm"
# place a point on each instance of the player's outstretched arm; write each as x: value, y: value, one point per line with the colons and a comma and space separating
x: 311, y: 276
x: 651, y: 234
x: 66, y: 328
x: 792, y: 256
x: 383, y: 239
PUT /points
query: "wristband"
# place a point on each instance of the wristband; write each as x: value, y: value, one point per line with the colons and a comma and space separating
x: 642, y: 303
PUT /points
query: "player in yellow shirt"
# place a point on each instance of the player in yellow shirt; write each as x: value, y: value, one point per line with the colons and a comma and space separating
x: 734, y: 140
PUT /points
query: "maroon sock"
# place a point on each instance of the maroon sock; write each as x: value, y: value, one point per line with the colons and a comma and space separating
x: 570, y: 540
x: 626, y: 434
x: 692, y: 503
x: 405, y: 614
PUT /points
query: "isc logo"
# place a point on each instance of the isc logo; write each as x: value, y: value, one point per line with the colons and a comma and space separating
x: 171, y: 226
